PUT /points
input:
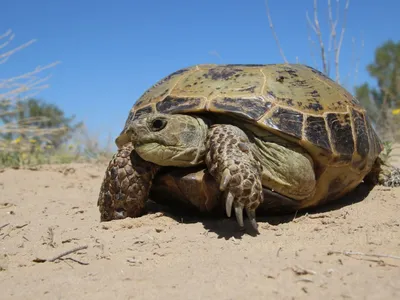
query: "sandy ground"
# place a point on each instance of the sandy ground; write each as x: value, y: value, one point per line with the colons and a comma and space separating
x: 48, y: 211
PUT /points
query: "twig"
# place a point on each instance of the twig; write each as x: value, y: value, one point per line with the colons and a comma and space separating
x: 61, y: 255
x: 337, y: 50
x: 295, y: 215
x: 5, y: 56
x: 353, y: 59
x: 271, y: 25
x: 8, y: 34
x: 304, y: 280
x: 320, y: 216
x: 67, y: 252
x: 301, y: 271
x: 12, y: 229
x: 21, y: 226
x: 319, y: 34
x: 315, y: 26
x: 358, y: 61
x: 216, y: 54
x: 77, y: 261
x: 350, y: 253
x: 5, y: 225
x: 312, y: 45
x: 332, y: 24
x: 8, y: 234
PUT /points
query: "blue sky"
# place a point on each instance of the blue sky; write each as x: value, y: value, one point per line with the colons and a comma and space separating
x: 112, y: 51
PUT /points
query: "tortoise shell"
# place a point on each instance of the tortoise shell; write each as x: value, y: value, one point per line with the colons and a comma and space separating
x: 293, y: 101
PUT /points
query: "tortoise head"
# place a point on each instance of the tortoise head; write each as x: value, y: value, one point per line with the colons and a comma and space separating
x: 169, y: 140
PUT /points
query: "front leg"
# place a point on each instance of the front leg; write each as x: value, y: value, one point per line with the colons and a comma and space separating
x: 232, y: 163
x: 126, y: 185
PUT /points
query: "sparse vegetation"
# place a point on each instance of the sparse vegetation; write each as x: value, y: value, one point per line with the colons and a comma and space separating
x: 35, y: 132
x: 381, y: 102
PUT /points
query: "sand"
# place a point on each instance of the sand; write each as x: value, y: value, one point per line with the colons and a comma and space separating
x: 336, y: 252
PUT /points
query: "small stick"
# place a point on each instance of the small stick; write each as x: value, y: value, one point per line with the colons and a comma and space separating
x: 301, y: 271
x: 67, y: 252
x: 271, y: 25
x: 349, y: 253
x: 40, y: 260
x: 318, y: 216
x: 4, y: 236
x: 339, y: 46
x: 316, y: 28
x: 12, y: 229
x: 295, y: 215
x: 77, y: 261
x: 21, y: 226
x: 5, y: 225
x: 304, y: 280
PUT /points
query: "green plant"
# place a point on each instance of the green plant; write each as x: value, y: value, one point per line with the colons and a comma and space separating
x: 387, y: 151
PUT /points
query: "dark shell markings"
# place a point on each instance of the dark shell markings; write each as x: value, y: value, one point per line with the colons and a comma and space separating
x: 288, y: 100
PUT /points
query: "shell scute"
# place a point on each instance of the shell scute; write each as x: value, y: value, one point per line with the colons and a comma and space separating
x: 316, y: 133
x: 312, y: 92
x: 361, y: 133
x: 172, y: 104
x: 286, y: 120
x: 253, y: 108
x: 143, y: 111
x: 162, y: 88
x: 217, y: 82
x: 341, y: 134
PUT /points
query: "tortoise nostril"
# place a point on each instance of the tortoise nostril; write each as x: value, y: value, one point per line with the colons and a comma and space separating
x: 131, y: 133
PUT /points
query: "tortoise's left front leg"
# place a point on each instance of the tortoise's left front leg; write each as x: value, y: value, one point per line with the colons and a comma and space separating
x: 238, y: 172
x: 126, y: 185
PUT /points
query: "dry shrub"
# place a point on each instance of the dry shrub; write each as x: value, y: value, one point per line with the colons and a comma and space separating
x: 23, y: 140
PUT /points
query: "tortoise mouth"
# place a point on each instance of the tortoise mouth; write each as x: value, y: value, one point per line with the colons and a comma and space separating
x: 165, y: 155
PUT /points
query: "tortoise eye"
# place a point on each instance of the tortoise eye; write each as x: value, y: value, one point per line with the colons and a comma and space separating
x: 158, y: 124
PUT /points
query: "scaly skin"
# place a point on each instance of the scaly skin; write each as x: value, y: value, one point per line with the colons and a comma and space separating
x: 384, y: 174
x: 126, y: 185
x: 182, y: 141
x: 233, y: 165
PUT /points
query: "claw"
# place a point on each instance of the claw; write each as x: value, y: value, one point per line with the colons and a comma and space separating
x: 226, y: 177
x: 228, y: 204
x: 251, y: 214
x: 239, y: 214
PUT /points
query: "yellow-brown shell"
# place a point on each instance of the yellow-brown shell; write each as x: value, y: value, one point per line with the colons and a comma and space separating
x: 291, y: 100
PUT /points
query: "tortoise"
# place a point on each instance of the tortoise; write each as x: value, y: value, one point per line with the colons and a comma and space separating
x: 248, y: 136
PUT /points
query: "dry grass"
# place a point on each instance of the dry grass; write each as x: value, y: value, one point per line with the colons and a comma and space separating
x: 27, y: 153
x: 326, y: 43
x: 23, y: 141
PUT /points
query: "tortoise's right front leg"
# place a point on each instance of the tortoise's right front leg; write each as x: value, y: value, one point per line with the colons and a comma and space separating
x: 126, y: 185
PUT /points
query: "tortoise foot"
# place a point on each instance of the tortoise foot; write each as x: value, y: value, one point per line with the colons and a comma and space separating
x: 390, y: 176
x: 238, y: 173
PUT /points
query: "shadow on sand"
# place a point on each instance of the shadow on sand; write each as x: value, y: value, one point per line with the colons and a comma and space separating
x: 227, y: 228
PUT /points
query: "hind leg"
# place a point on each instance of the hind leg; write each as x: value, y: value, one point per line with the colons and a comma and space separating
x: 384, y: 174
